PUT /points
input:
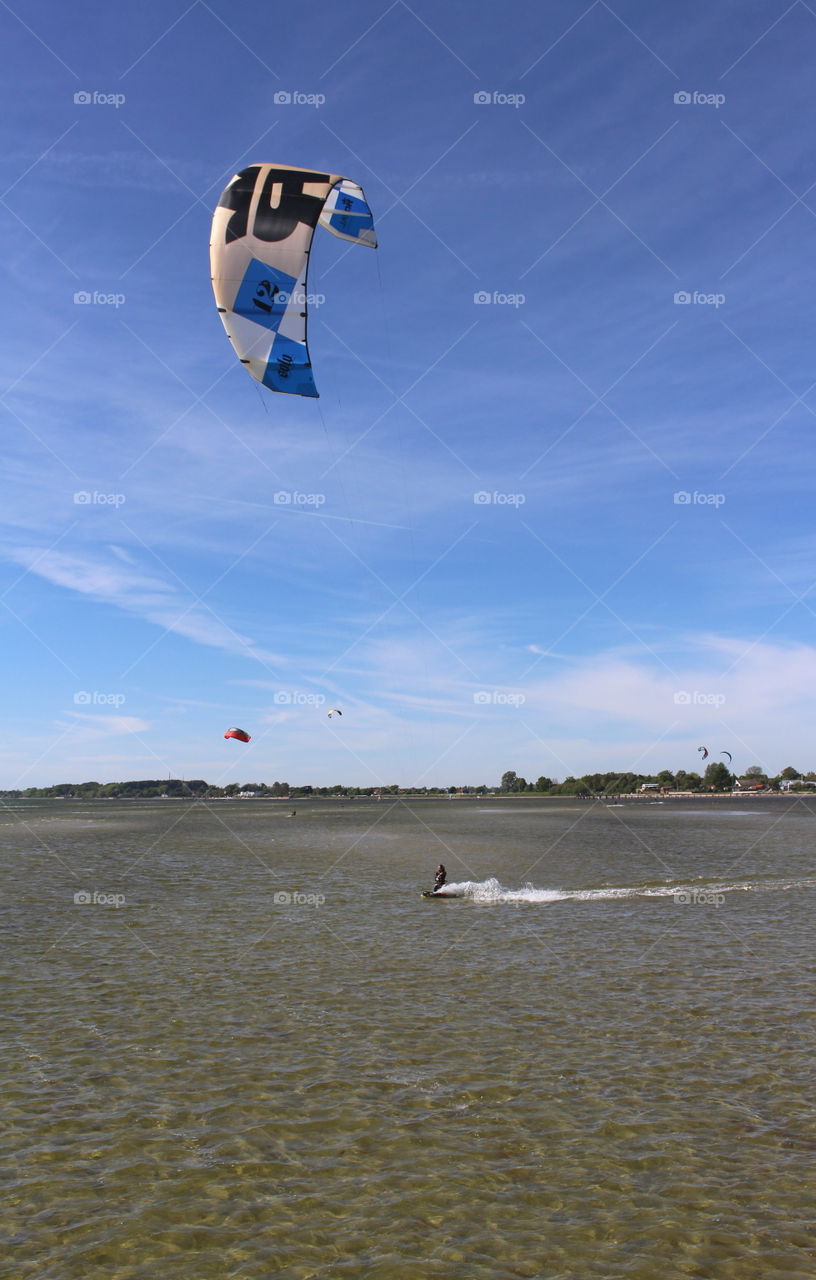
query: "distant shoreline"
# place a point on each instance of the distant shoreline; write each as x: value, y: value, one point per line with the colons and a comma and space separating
x: 603, y: 801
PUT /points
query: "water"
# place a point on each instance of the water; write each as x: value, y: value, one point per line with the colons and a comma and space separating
x: 595, y: 1063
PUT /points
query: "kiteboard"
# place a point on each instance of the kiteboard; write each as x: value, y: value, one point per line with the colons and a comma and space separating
x: 439, y: 893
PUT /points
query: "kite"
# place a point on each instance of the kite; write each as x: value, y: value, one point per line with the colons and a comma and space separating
x: 704, y: 752
x: 240, y: 734
x: 260, y: 242
x: 335, y: 711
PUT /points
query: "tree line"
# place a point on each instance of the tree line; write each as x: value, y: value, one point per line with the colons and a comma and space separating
x: 717, y: 777
x: 198, y: 789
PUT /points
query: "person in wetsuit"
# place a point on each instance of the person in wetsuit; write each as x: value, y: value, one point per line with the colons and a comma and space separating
x: 441, y: 877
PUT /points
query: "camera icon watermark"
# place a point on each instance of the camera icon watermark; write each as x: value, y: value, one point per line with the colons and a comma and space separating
x: 495, y: 698
x: 695, y: 698
x: 698, y: 898
x: 85, y: 898
x: 296, y: 698
x: 293, y: 498
x: 494, y: 98
x: 285, y: 98
x: 88, y: 98
x: 684, y: 98
x: 86, y: 498
x: 485, y: 499
x: 282, y: 899
x: 84, y: 298
x: 483, y: 298
x: 684, y: 498
x: 683, y: 298
x: 86, y: 698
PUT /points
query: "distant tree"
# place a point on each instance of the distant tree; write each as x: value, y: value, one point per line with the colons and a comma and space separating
x: 687, y: 781
x: 508, y: 782
x: 718, y: 778
x: 172, y: 787
x: 573, y: 787
x: 520, y: 784
x: 754, y: 771
x: 623, y: 783
x: 790, y: 774
x: 544, y: 784
x: 666, y: 778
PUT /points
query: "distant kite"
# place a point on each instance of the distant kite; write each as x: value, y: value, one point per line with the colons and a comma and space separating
x: 240, y: 734
x: 726, y: 753
x: 335, y: 711
x: 703, y: 752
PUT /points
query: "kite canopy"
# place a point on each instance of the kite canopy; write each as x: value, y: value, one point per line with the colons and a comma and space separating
x: 703, y: 752
x: 335, y: 711
x: 240, y: 734
x: 727, y: 753
x: 259, y: 259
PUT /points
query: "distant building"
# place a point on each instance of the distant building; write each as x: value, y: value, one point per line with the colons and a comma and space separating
x: 749, y: 784
x: 649, y: 786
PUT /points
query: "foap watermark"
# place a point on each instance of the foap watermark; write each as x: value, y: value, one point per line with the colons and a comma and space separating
x: 698, y: 898
x: 686, y: 98
x: 485, y: 499
x: 87, y: 498
x: 683, y: 298
x: 683, y: 498
x: 483, y: 298
x: 282, y: 298
x: 294, y: 98
x: 495, y: 698
x: 93, y: 98
x: 495, y: 98
x: 93, y: 698
x: 84, y: 298
x: 292, y: 498
x: 695, y: 698
x: 282, y: 899
x: 85, y: 898
x: 296, y: 698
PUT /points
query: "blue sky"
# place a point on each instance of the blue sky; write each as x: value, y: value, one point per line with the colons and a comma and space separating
x: 565, y: 528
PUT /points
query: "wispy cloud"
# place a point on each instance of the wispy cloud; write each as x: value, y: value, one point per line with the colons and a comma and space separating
x: 105, y: 726
x: 148, y: 596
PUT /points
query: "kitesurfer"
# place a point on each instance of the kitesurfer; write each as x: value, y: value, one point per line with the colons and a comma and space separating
x: 441, y: 877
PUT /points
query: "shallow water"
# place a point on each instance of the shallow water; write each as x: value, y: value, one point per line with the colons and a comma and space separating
x: 596, y: 1063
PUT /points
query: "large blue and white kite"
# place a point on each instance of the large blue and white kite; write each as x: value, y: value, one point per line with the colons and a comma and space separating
x: 259, y: 260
